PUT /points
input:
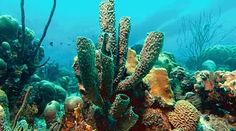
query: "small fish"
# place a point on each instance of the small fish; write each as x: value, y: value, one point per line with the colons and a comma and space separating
x: 51, y: 43
x: 68, y: 44
x: 61, y: 43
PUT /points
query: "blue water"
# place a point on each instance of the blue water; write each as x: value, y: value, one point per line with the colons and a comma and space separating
x: 80, y: 17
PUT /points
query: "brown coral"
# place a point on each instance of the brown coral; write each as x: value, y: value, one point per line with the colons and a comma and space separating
x: 185, y: 116
x: 124, y: 30
x: 229, y: 83
x: 51, y: 111
x: 205, y: 79
x: 160, y: 85
x: 155, y: 120
x: 72, y: 120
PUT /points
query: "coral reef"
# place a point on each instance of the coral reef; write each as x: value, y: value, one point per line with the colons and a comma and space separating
x: 107, y: 76
x: 113, y: 87
x: 15, y: 68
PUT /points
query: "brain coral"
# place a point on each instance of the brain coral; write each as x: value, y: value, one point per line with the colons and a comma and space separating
x: 185, y: 116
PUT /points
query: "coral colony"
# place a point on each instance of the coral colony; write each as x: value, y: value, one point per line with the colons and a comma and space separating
x: 120, y: 90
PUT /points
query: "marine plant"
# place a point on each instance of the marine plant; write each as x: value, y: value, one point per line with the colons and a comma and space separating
x: 199, y: 33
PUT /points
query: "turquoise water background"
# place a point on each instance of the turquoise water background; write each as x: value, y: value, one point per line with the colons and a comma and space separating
x: 80, y: 17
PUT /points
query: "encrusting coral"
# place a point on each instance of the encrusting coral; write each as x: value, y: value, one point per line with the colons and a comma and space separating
x: 211, y: 122
x: 155, y: 119
x: 160, y: 85
x: 132, y: 62
x: 229, y: 83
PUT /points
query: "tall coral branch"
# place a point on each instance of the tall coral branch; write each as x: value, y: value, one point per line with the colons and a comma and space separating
x: 124, y: 30
x: 107, y: 69
x: 87, y: 67
x: 107, y: 24
x: 149, y: 54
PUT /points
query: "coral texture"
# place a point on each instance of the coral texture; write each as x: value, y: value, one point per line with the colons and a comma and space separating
x: 160, y: 85
x: 132, y: 62
x: 155, y: 120
x: 229, y: 83
x: 185, y: 116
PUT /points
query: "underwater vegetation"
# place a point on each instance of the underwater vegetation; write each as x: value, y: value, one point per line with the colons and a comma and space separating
x: 112, y: 87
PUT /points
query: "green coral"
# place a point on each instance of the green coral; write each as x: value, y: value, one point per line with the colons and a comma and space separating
x: 87, y: 62
x: 166, y: 60
x: 8, y: 27
x: 3, y: 67
x: 4, y: 105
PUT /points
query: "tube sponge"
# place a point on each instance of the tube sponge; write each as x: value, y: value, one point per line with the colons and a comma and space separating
x: 185, y: 116
x: 127, y: 121
x: 149, y: 55
x: 107, y: 73
x: 88, y: 71
x: 107, y: 24
x: 124, y: 30
x: 119, y: 106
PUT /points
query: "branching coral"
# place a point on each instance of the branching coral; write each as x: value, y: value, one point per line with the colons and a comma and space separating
x: 185, y: 116
x: 14, y: 72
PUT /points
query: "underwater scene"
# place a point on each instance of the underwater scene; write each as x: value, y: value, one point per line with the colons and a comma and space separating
x: 117, y: 65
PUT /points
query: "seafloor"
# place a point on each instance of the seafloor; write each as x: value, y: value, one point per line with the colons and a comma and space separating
x: 112, y: 87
